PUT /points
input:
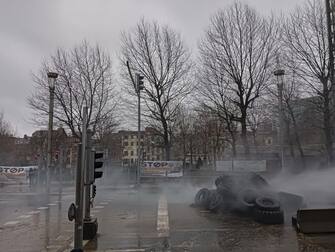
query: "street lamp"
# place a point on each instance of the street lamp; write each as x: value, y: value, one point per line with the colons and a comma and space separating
x: 51, y: 81
x: 279, y: 73
x: 139, y: 86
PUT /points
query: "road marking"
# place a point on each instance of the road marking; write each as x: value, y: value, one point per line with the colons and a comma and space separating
x: 53, y: 247
x: 51, y: 204
x: 25, y: 216
x: 99, y: 207
x: 103, y: 203
x: 84, y: 243
x: 95, y: 211
x: 162, y: 218
x: 11, y: 223
x: 125, y: 250
x: 34, y: 212
x: 42, y: 208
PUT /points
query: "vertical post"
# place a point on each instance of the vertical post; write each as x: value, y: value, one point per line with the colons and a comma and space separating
x: 330, y: 31
x: 81, y: 172
x: 78, y: 224
x: 51, y: 81
x: 280, y: 83
x: 138, y: 130
x: 61, y: 164
x: 87, y: 184
x: 50, y: 126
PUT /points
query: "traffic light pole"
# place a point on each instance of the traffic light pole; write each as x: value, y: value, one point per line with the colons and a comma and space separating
x: 87, y: 184
x: 81, y: 173
x: 78, y: 224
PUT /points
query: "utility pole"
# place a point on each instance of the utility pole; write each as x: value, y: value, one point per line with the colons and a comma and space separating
x: 279, y: 73
x: 330, y: 14
x: 51, y: 79
x: 81, y: 167
x: 139, y: 87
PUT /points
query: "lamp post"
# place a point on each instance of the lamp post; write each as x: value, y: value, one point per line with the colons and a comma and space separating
x: 139, y: 87
x: 279, y: 73
x: 51, y: 80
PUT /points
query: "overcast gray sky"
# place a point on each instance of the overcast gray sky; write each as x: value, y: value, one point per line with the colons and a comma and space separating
x: 30, y: 31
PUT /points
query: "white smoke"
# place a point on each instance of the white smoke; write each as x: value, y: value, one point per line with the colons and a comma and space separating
x: 317, y: 186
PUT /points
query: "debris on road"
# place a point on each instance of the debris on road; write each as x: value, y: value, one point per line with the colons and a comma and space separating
x: 315, y: 220
x: 255, y: 200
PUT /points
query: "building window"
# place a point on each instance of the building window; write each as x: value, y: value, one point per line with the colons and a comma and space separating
x: 132, y: 136
x: 132, y: 153
x: 125, y: 137
x: 125, y: 143
x: 125, y: 153
x: 132, y: 143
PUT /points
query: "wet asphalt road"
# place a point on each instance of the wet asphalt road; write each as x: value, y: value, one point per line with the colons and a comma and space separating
x: 128, y: 219
x: 32, y: 222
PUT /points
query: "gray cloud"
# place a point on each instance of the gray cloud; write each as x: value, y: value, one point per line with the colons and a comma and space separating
x: 31, y: 31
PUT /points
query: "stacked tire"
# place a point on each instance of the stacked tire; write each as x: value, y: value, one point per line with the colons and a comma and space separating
x: 250, y: 201
x: 202, y: 198
x: 267, y: 210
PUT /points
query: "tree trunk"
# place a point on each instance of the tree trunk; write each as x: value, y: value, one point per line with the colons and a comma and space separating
x: 328, y: 129
x: 244, y: 132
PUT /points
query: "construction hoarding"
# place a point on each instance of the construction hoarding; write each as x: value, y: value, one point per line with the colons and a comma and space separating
x: 241, y: 165
x: 171, y: 169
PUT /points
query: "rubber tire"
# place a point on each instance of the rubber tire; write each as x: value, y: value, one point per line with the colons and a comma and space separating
x: 202, y: 198
x: 268, y: 217
x: 215, y: 202
x: 225, y: 182
x: 246, y: 201
x: 258, y: 181
x: 267, y: 204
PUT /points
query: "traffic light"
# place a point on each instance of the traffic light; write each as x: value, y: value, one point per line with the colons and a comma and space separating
x: 139, y: 82
x: 98, y: 164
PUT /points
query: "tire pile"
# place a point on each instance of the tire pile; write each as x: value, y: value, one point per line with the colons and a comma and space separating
x: 254, y: 200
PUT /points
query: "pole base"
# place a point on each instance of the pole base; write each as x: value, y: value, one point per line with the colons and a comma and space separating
x: 90, y: 228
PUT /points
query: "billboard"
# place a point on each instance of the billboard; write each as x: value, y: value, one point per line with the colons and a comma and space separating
x: 172, y: 169
x: 15, y: 172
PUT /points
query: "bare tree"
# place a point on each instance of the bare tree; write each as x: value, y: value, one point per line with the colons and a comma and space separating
x: 238, y: 48
x: 158, y: 53
x: 306, y: 38
x: 6, y: 128
x: 7, y: 141
x: 259, y: 115
x: 85, y: 79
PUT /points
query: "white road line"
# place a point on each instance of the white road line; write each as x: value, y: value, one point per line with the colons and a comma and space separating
x: 125, y: 250
x: 95, y: 211
x: 163, y: 217
x: 99, y: 207
x: 11, y: 223
x: 34, y: 212
x: 51, y: 204
x: 53, y: 247
x: 25, y: 216
x: 103, y: 203
x: 42, y: 208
